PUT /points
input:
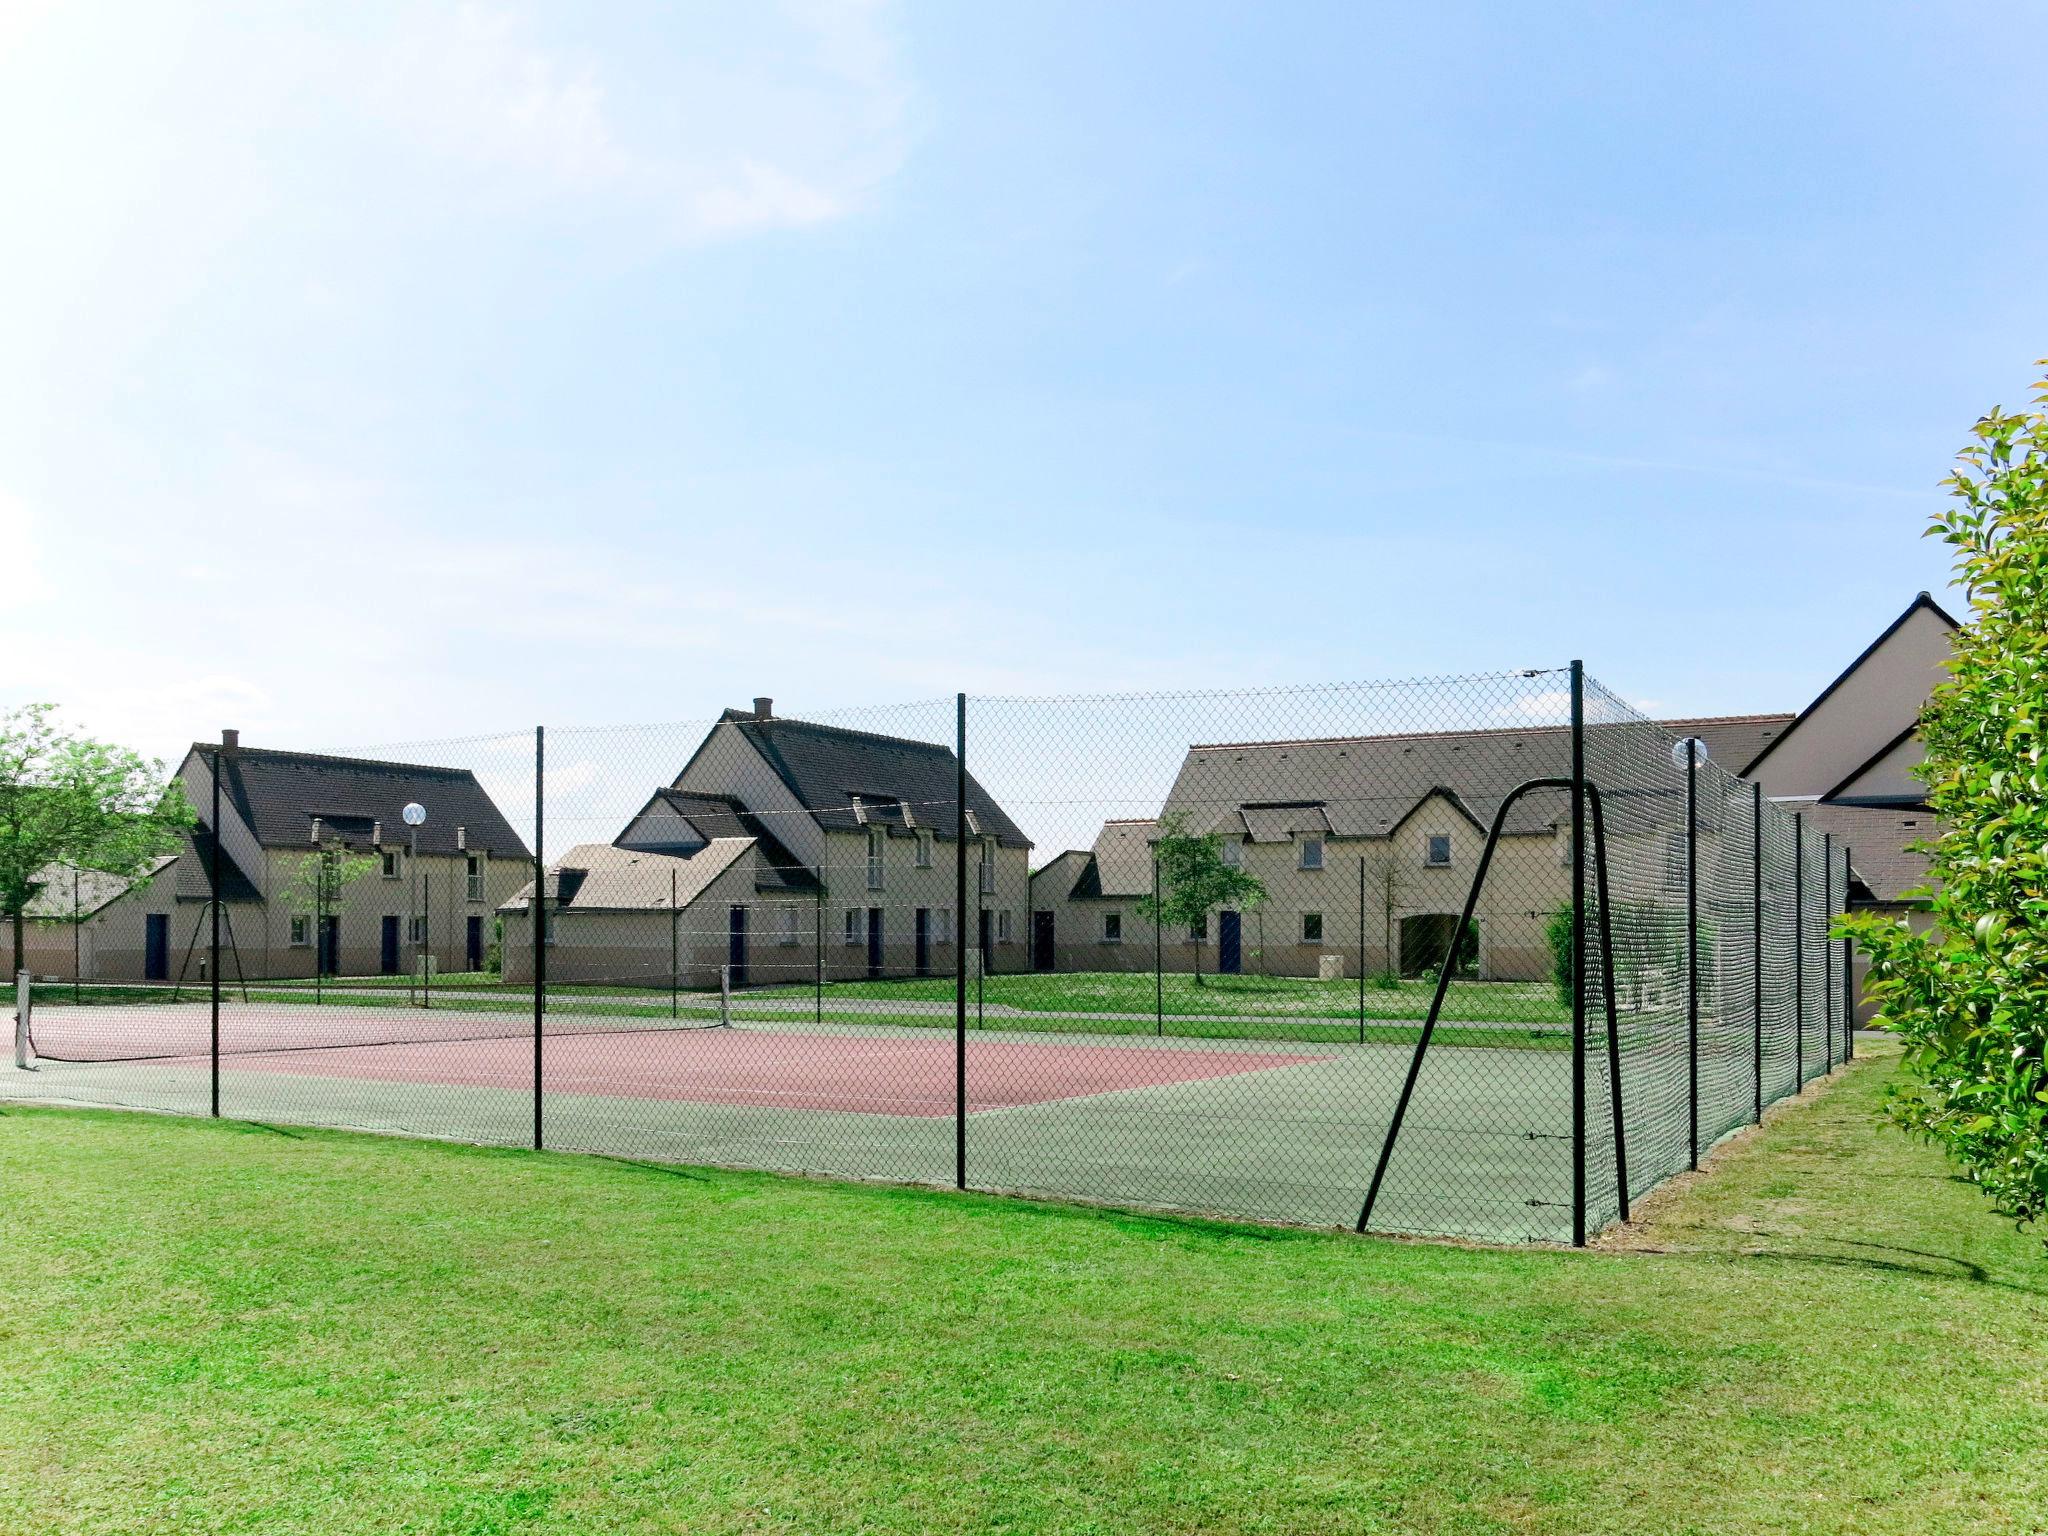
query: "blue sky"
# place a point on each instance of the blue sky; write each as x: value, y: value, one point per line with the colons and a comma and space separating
x: 374, y: 372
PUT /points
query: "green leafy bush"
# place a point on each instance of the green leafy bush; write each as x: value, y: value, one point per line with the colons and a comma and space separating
x: 1969, y: 996
x: 1558, y: 933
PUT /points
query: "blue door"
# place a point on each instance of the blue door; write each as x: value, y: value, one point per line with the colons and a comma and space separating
x: 874, y: 941
x: 1230, y: 943
x: 330, y: 946
x: 156, y: 947
x: 387, y: 955
x: 736, y: 945
x: 473, y: 944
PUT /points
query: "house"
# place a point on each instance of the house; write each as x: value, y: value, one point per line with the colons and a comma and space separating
x: 1365, y: 845
x: 413, y: 892
x: 784, y: 849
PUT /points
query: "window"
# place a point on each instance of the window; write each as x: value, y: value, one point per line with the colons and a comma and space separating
x: 1198, y: 930
x: 302, y: 930
x: 924, y: 850
x: 877, y: 839
x: 792, y: 917
x: 855, y: 919
x: 1003, y: 926
x: 1112, y: 927
x: 1311, y: 927
x: 416, y: 930
x: 1311, y: 853
x: 1233, y: 853
x: 942, y: 925
x: 988, y: 865
x: 391, y: 869
x: 1564, y: 849
x: 1437, y: 850
x: 475, y: 863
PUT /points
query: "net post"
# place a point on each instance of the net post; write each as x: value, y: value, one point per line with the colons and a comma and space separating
x: 1692, y: 947
x: 1756, y: 921
x: 24, y: 999
x: 538, y: 912
x: 213, y: 946
x: 960, y: 941
x: 1578, y: 731
x: 1798, y: 952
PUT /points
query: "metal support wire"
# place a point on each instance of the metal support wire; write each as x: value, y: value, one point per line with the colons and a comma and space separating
x: 1443, y: 984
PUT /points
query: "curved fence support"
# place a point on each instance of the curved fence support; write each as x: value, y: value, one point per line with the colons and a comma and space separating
x: 1443, y: 983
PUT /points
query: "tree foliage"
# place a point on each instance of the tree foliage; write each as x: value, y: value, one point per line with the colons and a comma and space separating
x: 1970, y: 995
x: 67, y: 799
x: 1194, y: 880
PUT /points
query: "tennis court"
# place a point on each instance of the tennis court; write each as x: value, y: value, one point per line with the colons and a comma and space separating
x: 1279, y: 1131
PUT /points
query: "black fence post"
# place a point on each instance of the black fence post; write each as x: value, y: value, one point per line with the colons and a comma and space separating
x: 1578, y: 675
x: 1692, y: 947
x: 1848, y: 968
x: 1798, y: 952
x: 960, y: 941
x: 539, y: 915
x: 675, y: 949
x: 213, y: 941
x: 818, y: 952
x: 1158, y: 955
x: 1756, y: 969
x: 1827, y: 952
x: 1361, y: 949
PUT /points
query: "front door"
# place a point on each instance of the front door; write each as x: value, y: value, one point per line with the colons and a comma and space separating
x: 874, y: 941
x: 156, y: 947
x: 330, y: 946
x: 473, y: 943
x: 736, y: 946
x: 387, y: 946
x: 1041, y: 941
x: 924, y: 941
x: 1230, y: 943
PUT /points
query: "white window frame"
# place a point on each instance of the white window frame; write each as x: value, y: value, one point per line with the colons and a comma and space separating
x: 1233, y: 853
x: 791, y: 924
x: 1317, y: 936
x: 302, y: 930
x: 416, y: 928
x: 394, y: 867
x: 1003, y: 925
x: 988, y: 866
x: 924, y: 850
x: 878, y: 843
x: 1429, y: 858
x: 1311, y: 853
x: 473, y: 871
x: 854, y: 926
x: 1112, y: 927
x: 942, y: 925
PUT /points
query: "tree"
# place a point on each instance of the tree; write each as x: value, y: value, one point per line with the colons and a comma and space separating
x: 315, y: 887
x: 1194, y: 880
x: 1390, y: 895
x: 1970, y: 995
x: 67, y: 799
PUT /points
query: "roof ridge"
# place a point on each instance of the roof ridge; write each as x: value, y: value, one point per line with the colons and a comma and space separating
x: 208, y: 748
x: 843, y: 730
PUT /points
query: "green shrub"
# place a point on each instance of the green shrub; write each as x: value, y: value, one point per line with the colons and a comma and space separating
x: 1970, y: 996
x: 1558, y: 933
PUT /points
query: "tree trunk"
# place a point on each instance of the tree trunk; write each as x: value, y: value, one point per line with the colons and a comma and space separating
x: 1198, y: 949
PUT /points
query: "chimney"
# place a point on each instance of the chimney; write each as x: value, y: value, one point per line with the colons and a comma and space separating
x: 230, y: 741
x: 376, y: 834
x: 764, y: 709
x: 462, y: 839
x: 316, y: 832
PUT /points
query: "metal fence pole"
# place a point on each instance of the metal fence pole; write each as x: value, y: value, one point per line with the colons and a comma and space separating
x: 818, y: 953
x: 1158, y: 955
x: 539, y: 915
x: 1798, y: 951
x: 960, y: 941
x: 213, y: 942
x: 1692, y: 947
x: 1361, y: 949
x: 1578, y: 725
x: 675, y: 956
x: 1756, y: 969
x: 1848, y: 968
x: 1827, y: 953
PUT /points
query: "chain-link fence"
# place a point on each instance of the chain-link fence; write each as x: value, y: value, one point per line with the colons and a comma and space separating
x: 1342, y: 955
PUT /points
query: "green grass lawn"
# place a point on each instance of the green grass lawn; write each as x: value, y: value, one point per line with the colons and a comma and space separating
x: 224, y: 1327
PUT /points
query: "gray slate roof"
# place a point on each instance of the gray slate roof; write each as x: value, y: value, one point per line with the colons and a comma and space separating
x: 194, y: 871
x: 1733, y: 741
x: 901, y: 783
x: 53, y: 893
x: 714, y: 817
x: 598, y: 877
x: 1875, y: 837
x: 279, y: 793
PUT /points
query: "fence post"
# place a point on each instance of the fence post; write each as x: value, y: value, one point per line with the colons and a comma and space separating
x: 1158, y: 955
x: 24, y: 1000
x: 1361, y: 949
x: 213, y: 942
x: 1827, y: 952
x: 1756, y: 969
x: 675, y: 981
x: 1848, y: 967
x: 1798, y: 952
x: 1692, y: 948
x: 960, y: 941
x: 818, y: 953
x: 1578, y: 675
x: 539, y: 916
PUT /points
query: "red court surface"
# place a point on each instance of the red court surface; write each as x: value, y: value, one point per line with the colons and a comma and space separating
x: 857, y: 1074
